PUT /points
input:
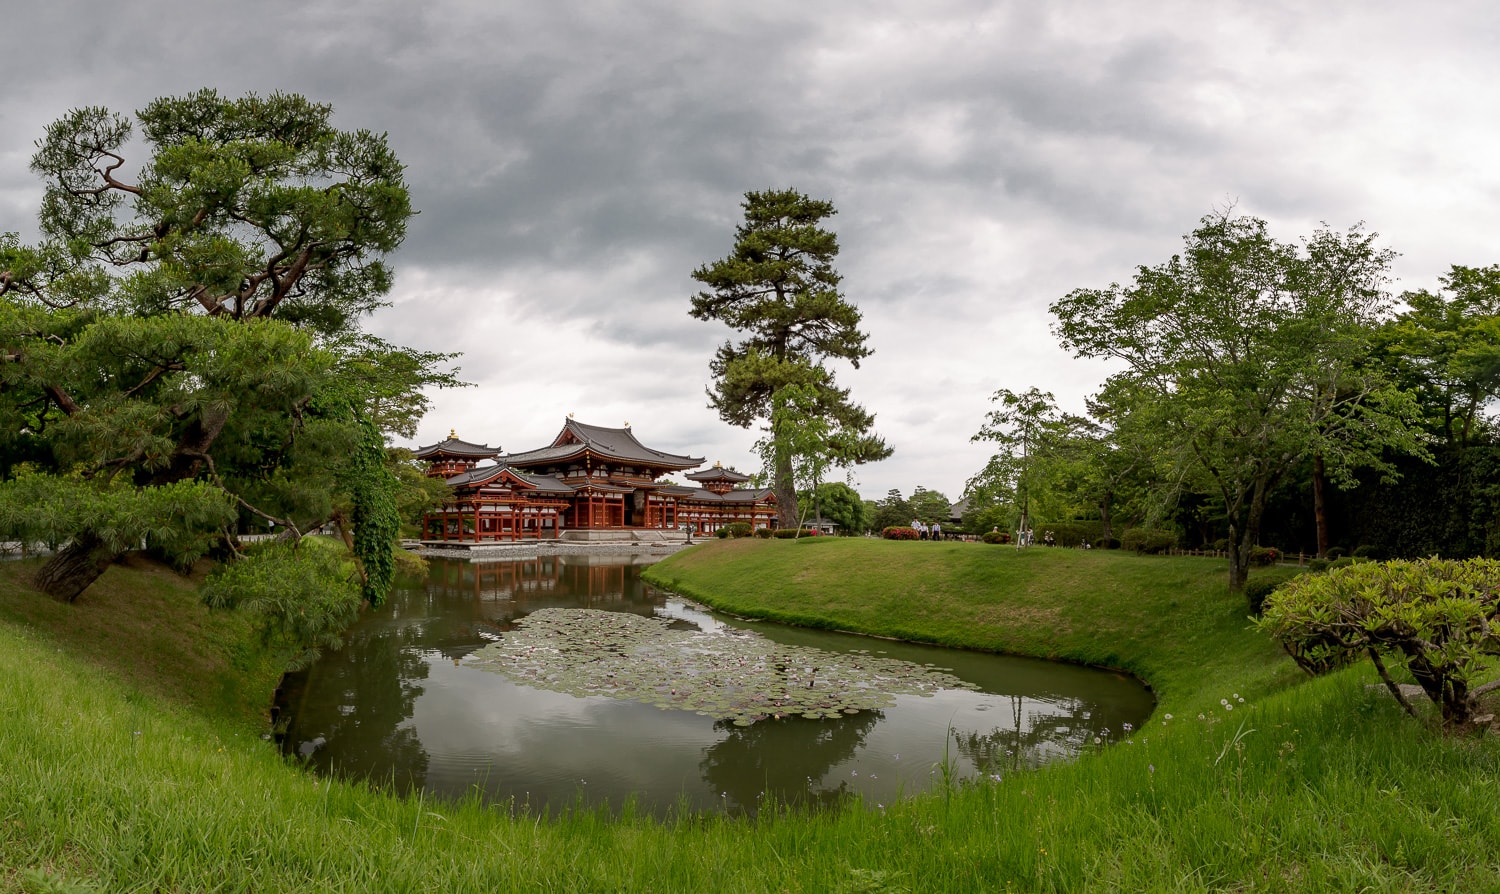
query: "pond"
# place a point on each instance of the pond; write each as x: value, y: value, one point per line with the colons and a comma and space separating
x: 457, y: 687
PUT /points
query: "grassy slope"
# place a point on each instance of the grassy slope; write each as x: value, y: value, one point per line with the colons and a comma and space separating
x: 1169, y: 620
x: 138, y: 783
x: 144, y: 624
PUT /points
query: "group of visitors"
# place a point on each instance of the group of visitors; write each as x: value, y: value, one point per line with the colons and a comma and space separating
x: 926, y: 532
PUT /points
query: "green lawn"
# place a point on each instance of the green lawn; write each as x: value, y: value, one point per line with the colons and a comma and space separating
x: 1170, y: 621
x: 127, y: 762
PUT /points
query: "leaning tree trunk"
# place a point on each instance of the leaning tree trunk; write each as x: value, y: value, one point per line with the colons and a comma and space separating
x: 83, y: 561
x: 74, y: 567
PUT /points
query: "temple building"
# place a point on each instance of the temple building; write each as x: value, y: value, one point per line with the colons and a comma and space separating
x: 591, y: 482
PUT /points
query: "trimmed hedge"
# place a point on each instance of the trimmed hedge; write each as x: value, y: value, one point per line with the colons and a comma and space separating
x: 1073, y: 533
x: 995, y: 537
x: 792, y: 533
x: 899, y: 532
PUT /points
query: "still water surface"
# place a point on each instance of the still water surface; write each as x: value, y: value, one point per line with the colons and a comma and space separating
x: 400, y: 706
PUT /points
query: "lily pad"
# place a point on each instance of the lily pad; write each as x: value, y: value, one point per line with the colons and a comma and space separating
x: 738, y: 676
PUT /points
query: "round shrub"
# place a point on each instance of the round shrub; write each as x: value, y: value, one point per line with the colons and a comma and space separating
x: 1317, y: 564
x: 995, y: 537
x: 1336, y: 552
x: 1262, y: 556
x: 737, y: 529
x: 722, y: 533
x: 764, y: 533
x: 1437, y: 619
x: 1261, y: 585
x: 1148, y: 541
x: 899, y: 532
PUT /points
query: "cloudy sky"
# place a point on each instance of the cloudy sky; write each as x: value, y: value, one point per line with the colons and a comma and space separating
x: 573, y: 163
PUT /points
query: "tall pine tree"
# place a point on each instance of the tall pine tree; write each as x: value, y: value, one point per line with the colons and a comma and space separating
x: 779, y: 289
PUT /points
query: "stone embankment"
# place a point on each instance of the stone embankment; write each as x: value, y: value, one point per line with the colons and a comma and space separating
x: 527, y: 549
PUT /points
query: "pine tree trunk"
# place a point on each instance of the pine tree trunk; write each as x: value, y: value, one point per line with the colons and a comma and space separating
x: 786, y: 493
x: 73, y: 568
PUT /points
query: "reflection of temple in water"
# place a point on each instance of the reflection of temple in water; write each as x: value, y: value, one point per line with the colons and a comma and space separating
x: 578, y: 581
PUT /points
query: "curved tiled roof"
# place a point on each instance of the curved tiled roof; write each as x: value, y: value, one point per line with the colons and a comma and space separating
x: 718, y: 473
x: 480, y: 475
x: 618, y: 444
x: 703, y: 495
x: 454, y: 447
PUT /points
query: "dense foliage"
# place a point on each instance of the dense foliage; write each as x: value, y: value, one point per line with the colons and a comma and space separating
x: 190, y: 327
x: 1274, y: 396
x: 1438, y: 618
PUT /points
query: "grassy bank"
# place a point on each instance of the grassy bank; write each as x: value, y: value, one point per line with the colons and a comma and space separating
x: 115, y: 782
x: 1169, y: 620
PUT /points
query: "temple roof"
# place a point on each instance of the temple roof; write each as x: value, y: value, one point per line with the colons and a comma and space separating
x: 452, y: 446
x: 617, y: 444
x: 718, y: 473
x: 703, y: 495
x: 481, y: 475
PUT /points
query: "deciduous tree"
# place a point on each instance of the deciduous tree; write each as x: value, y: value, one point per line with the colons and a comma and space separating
x: 1240, y: 358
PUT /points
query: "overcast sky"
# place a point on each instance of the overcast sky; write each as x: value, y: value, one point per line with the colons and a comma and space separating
x: 573, y: 163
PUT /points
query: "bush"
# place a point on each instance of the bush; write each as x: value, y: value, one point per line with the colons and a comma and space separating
x: 995, y: 537
x: 1262, y: 556
x: 764, y: 533
x: 792, y: 533
x: 1221, y: 545
x: 1317, y: 564
x: 722, y: 533
x: 1107, y: 543
x: 1336, y: 552
x: 1263, y: 583
x: 1149, y: 542
x: 304, y: 595
x: 1368, y: 552
x: 738, y: 529
x: 1074, y: 533
x: 1440, y: 618
x: 899, y: 532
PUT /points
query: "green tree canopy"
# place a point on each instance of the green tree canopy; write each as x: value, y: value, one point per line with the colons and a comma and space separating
x: 1242, y: 355
x: 1445, y: 349
x: 196, y: 318
x: 778, y: 287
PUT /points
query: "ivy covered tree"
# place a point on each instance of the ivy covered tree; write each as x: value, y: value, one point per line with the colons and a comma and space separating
x: 193, y: 321
x: 778, y: 287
